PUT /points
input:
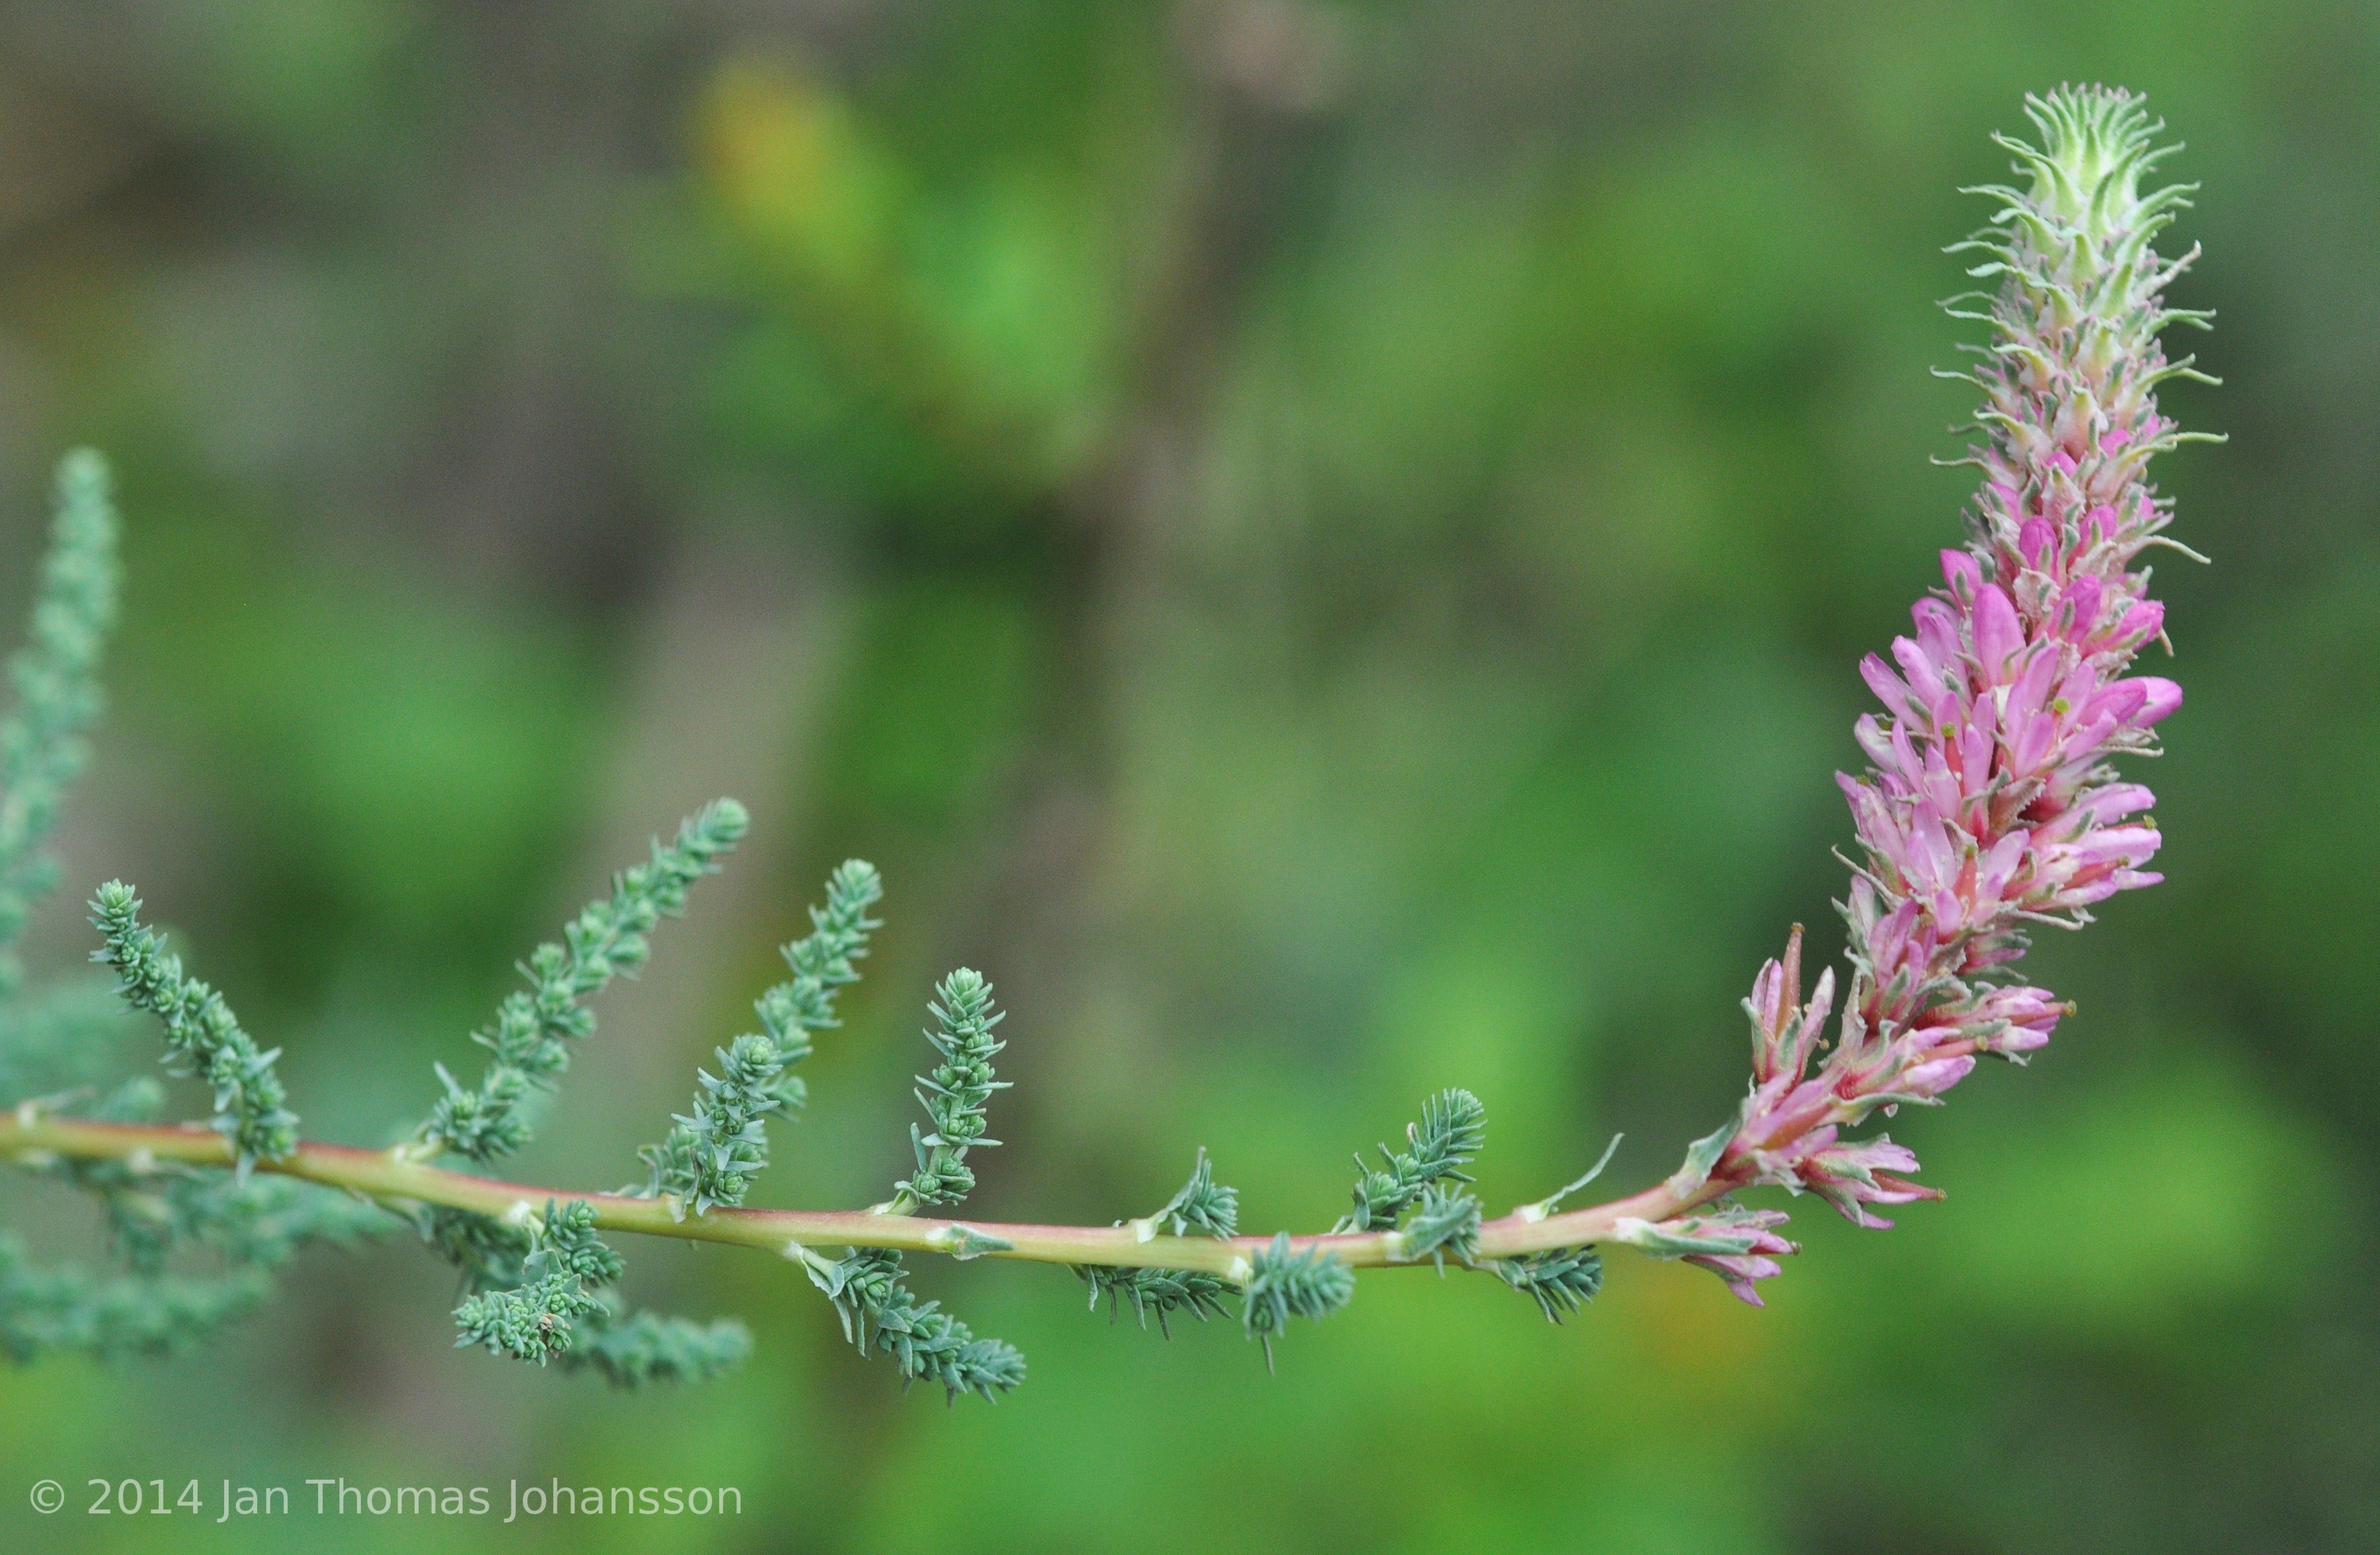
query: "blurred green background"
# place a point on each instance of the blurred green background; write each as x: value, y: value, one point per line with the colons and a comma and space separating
x: 1324, y: 546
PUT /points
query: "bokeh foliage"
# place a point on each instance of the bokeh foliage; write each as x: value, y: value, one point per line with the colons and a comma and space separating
x: 1324, y: 546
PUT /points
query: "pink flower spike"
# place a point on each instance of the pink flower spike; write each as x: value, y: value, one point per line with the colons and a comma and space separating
x: 1988, y: 798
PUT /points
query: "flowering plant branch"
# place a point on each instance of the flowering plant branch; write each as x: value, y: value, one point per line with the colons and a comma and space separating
x: 1990, y: 805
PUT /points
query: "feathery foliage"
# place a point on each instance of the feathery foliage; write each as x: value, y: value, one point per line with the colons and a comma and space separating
x: 824, y: 961
x: 63, y: 1037
x: 1203, y: 1208
x: 58, y: 1042
x: 202, y: 1037
x: 1283, y: 1284
x: 869, y: 1286
x: 1155, y: 1292
x: 881, y: 1315
x: 256, y: 1221
x: 1453, y: 1125
x: 534, y: 1291
x: 142, y: 1315
x: 56, y: 677
x: 543, y: 1299
x: 1444, y: 1220
x: 955, y: 1094
x: 1561, y: 1280
x: 712, y: 1154
x: 535, y: 1029
x: 630, y: 1352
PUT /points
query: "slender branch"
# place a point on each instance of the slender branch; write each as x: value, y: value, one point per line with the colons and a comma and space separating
x: 29, y: 1137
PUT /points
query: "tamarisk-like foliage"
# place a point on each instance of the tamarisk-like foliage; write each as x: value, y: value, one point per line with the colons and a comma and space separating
x: 66, y: 1309
x: 1284, y: 1281
x: 202, y: 1037
x: 532, y: 1038
x: 879, y: 1314
x: 712, y: 1155
x: 55, y: 678
x: 1453, y: 1125
x: 954, y: 1095
x: 1203, y: 1208
x: 1203, y: 1205
x: 1990, y: 804
x: 60, y: 1042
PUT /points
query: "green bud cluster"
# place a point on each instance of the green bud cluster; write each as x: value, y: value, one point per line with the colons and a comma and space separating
x: 713, y: 1153
x: 539, y: 1295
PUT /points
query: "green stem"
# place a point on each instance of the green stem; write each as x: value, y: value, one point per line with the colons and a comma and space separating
x: 27, y: 1137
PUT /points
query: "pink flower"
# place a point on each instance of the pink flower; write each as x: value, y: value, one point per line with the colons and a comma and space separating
x: 1756, y: 1262
x: 1740, y: 1246
x: 1988, y: 802
x: 2007, y: 1022
x: 1851, y: 1177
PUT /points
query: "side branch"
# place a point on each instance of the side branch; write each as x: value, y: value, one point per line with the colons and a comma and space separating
x: 29, y: 1137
